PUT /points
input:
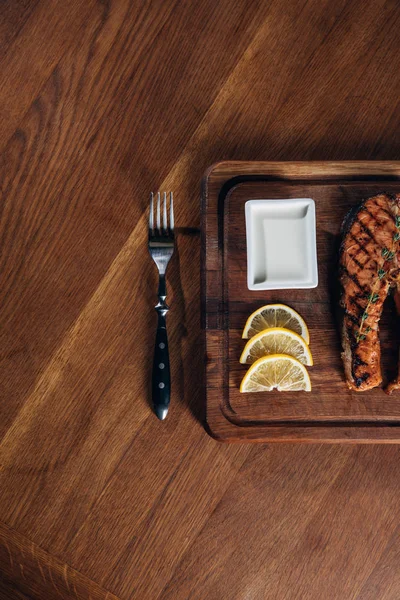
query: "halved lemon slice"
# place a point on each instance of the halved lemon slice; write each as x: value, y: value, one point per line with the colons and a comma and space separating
x: 276, y: 371
x: 275, y: 315
x: 276, y: 340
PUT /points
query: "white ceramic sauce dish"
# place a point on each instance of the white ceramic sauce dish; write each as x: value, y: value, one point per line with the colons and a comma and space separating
x: 281, y: 244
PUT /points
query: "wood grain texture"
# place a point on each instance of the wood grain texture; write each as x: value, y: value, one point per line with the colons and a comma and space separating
x: 27, y: 571
x: 101, y: 102
x: 331, y: 412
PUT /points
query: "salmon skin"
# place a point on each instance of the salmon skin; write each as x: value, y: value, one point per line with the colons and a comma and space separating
x: 369, y: 262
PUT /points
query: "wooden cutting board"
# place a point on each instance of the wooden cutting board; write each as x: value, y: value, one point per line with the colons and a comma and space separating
x: 331, y: 412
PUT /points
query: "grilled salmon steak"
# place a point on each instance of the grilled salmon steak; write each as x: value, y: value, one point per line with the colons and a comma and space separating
x: 368, y: 266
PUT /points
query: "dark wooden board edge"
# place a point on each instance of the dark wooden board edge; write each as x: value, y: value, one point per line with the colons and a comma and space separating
x: 226, y: 175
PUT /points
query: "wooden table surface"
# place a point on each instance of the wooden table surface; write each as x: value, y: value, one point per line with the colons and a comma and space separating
x: 100, y: 103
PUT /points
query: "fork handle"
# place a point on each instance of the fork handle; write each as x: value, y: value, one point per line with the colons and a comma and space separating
x: 161, y: 379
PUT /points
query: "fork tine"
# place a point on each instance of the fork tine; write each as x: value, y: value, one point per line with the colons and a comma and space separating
x: 151, y: 218
x: 158, y: 212
x: 165, y: 224
x: 171, y: 211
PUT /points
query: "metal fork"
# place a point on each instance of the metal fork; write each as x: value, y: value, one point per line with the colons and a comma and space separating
x: 161, y: 248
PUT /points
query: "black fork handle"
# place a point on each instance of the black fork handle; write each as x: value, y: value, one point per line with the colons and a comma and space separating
x: 161, y: 379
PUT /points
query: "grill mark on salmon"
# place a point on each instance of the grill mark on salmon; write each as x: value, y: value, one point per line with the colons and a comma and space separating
x: 367, y: 231
x: 364, y: 246
x: 353, y: 277
x: 369, y: 266
x: 351, y: 317
x: 360, y: 265
x: 358, y: 361
x: 385, y: 210
x: 356, y: 304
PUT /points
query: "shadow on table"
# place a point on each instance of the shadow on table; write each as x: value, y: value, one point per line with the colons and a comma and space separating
x: 189, y: 349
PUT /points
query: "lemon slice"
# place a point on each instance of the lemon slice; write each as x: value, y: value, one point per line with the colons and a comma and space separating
x: 276, y: 340
x: 275, y: 315
x: 276, y: 371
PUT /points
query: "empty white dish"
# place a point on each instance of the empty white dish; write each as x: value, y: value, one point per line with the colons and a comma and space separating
x: 281, y: 244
